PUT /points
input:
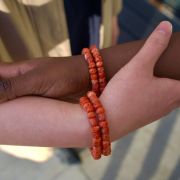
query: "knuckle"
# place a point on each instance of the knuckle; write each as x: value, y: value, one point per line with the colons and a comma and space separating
x: 5, y: 85
x: 6, y: 88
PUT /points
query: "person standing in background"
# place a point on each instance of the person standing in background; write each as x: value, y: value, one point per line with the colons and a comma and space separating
x: 31, y: 29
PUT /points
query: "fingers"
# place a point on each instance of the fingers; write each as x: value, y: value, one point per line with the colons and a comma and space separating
x: 26, y: 84
x: 155, y: 45
x: 18, y: 79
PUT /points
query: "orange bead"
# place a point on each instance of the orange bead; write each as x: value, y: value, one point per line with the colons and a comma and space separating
x: 107, y: 151
x: 91, y: 94
x: 105, y: 130
x: 101, y: 117
x: 96, y: 153
x: 96, y: 142
x: 105, y: 137
x: 93, y: 122
x: 100, y: 110
x: 89, y: 109
x: 90, y: 60
x: 98, y: 59
x: 84, y: 98
x: 99, y: 64
x: 96, y: 135
x: 94, y: 51
x: 102, y: 80
x: 83, y: 101
x: 94, y: 100
x: 86, y: 103
x: 95, y: 81
x: 87, y: 56
x: 103, y: 124
x: 105, y: 144
x: 92, y: 71
x: 85, y: 50
x: 92, y: 65
x: 91, y: 114
x: 101, y: 75
x: 95, y: 129
x: 97, y: 105
x: 94, y: 76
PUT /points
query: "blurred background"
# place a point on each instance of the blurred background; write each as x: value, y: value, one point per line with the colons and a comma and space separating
x: 150, y: 153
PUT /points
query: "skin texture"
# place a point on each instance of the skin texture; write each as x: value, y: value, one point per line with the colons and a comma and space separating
x: 133, y: 98
x: 63, y: 78
x: 40, y: 121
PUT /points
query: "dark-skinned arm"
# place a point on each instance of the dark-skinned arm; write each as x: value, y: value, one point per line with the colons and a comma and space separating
x: 68, y: 76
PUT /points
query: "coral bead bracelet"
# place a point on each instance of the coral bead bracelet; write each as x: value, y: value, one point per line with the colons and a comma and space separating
x: 101, y: 144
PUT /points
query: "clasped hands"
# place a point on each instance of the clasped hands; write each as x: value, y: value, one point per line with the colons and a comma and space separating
x: 132, y: 98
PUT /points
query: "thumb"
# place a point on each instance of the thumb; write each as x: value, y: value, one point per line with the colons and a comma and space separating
x: 153, y: 48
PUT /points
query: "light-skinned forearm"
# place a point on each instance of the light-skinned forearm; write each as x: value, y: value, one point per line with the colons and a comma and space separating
x: 43, y: 122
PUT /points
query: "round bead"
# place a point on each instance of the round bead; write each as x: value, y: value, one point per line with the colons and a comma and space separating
x: 91, y: 94
x: 87, y: 56
x: 98, y: 59
x: 95, y: 129
x: 96, y: 153
x: 102, y: 80
x: 93, y: 122
x: 99, y: 64
x: 96, y: 142
x: 101, y: 75
x: 94, y: 76
x: 92, y: 71
x: 103, y: 124
x: 100, y: 110
x: 107, y: 151
x: 85, y: 50
x: 96, y: 135
x: 84, y: 98
x: 89, y: 108
x: 105, y: 137
x: 95, y: 81
x: 83, y: 101
x: 92, y: 65
x: 97, y: 105
x: 91, y: 114
x: 105, y: 144
x: 100, y: 69
x: 101, y: 116
x: 105, y: 130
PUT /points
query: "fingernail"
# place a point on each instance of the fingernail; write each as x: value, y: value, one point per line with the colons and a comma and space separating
x: 165, y: 27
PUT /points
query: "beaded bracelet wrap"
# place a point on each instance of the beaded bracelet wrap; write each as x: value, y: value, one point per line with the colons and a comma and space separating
x: 102, y: 121
x: 101, y: 144
x: 92, y: 70
x: 99, y: 65
x: 96, y: 147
